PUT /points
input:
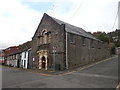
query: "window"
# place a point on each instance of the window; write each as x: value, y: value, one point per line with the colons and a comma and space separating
x: 25, y: 55
x: 91, y: 42
x: 72, y: 38
x: 49, y: 37
x: 41, y: 39
x: 99, y: 45
x: 10, y: 57
x: 45, y: 37
x: 83, y: 40
x: 24, y: 63
x: 14, y: 56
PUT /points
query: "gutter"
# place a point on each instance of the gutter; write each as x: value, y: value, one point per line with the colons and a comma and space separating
x: 66, y: 51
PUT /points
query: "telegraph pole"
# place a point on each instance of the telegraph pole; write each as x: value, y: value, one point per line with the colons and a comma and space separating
x: 119, y: 42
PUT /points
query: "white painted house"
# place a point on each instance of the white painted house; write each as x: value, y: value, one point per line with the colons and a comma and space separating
x: 25, y: 59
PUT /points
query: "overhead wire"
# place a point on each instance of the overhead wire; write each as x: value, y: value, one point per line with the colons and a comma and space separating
x: 116, y: 17
x: 77, y: 10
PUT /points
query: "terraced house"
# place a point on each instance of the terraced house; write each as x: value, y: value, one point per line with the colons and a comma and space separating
x: 57, y: 45
x: 18, y: 56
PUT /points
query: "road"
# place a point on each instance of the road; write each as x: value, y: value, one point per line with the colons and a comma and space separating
x: 102, y: 75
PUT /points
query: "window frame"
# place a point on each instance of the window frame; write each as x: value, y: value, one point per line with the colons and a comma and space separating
x: 45, y: 37
x: 83, y: 40
x: 91, y: 43
x: 71, y: 38
x: 99, y: 44
x: 24, y: 54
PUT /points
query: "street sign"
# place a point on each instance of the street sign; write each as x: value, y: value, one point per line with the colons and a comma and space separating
x: 54, y: 49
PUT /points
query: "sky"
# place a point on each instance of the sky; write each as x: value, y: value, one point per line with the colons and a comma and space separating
x: 19, y: 19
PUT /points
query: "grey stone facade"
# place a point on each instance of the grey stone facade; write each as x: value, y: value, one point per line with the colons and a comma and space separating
x: 57, y: 45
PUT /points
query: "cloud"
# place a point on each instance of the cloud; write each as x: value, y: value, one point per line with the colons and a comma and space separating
x: 96, y: 16
x: 91, y: 15
x: 18, y: 21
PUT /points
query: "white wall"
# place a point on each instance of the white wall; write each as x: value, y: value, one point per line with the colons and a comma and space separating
x: 15, y: 60
x: 8, y: 61
x: 24, y: 59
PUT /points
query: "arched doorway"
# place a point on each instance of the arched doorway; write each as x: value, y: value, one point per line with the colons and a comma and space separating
x: 43, y: 59
x: 43, y: 62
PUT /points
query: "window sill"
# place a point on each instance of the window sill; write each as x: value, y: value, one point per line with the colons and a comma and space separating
x: 84, y: 45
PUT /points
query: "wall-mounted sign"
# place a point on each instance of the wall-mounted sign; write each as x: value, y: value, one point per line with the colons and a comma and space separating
x: 54, y: 49
x: 33, y: 59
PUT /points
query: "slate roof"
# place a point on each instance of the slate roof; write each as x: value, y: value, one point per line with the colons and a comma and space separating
x: 25, y: 46
x: 75, y: 30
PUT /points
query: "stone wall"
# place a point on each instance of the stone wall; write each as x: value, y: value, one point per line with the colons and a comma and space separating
x: 80, y: 54
x: 57, y: 41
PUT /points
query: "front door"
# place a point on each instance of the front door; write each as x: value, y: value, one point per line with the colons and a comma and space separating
x: 43, y: 62
x: 43, y: 59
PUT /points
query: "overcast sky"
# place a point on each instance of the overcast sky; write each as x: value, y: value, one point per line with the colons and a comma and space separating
x: 20, y: 18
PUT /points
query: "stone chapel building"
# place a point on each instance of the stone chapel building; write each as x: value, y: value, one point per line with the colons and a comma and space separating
x: 57, y: 45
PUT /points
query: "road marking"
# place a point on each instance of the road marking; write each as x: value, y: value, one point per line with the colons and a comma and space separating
x: 66, y: 73
x: 85, y: 67
x: 43, y: 74
x: 96, y: 75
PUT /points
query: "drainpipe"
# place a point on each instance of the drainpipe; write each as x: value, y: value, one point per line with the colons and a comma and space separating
x: 66, y: 52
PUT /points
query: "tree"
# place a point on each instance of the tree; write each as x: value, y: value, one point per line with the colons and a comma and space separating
x: 102, y: 36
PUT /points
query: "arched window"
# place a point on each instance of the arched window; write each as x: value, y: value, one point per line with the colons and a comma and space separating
x: 49, y: 37
x: 45, y: 37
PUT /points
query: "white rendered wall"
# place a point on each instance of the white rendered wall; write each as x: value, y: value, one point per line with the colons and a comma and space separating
x: 24, y: 59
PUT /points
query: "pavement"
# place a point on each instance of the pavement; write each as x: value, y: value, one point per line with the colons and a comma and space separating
x: 103, y: 74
